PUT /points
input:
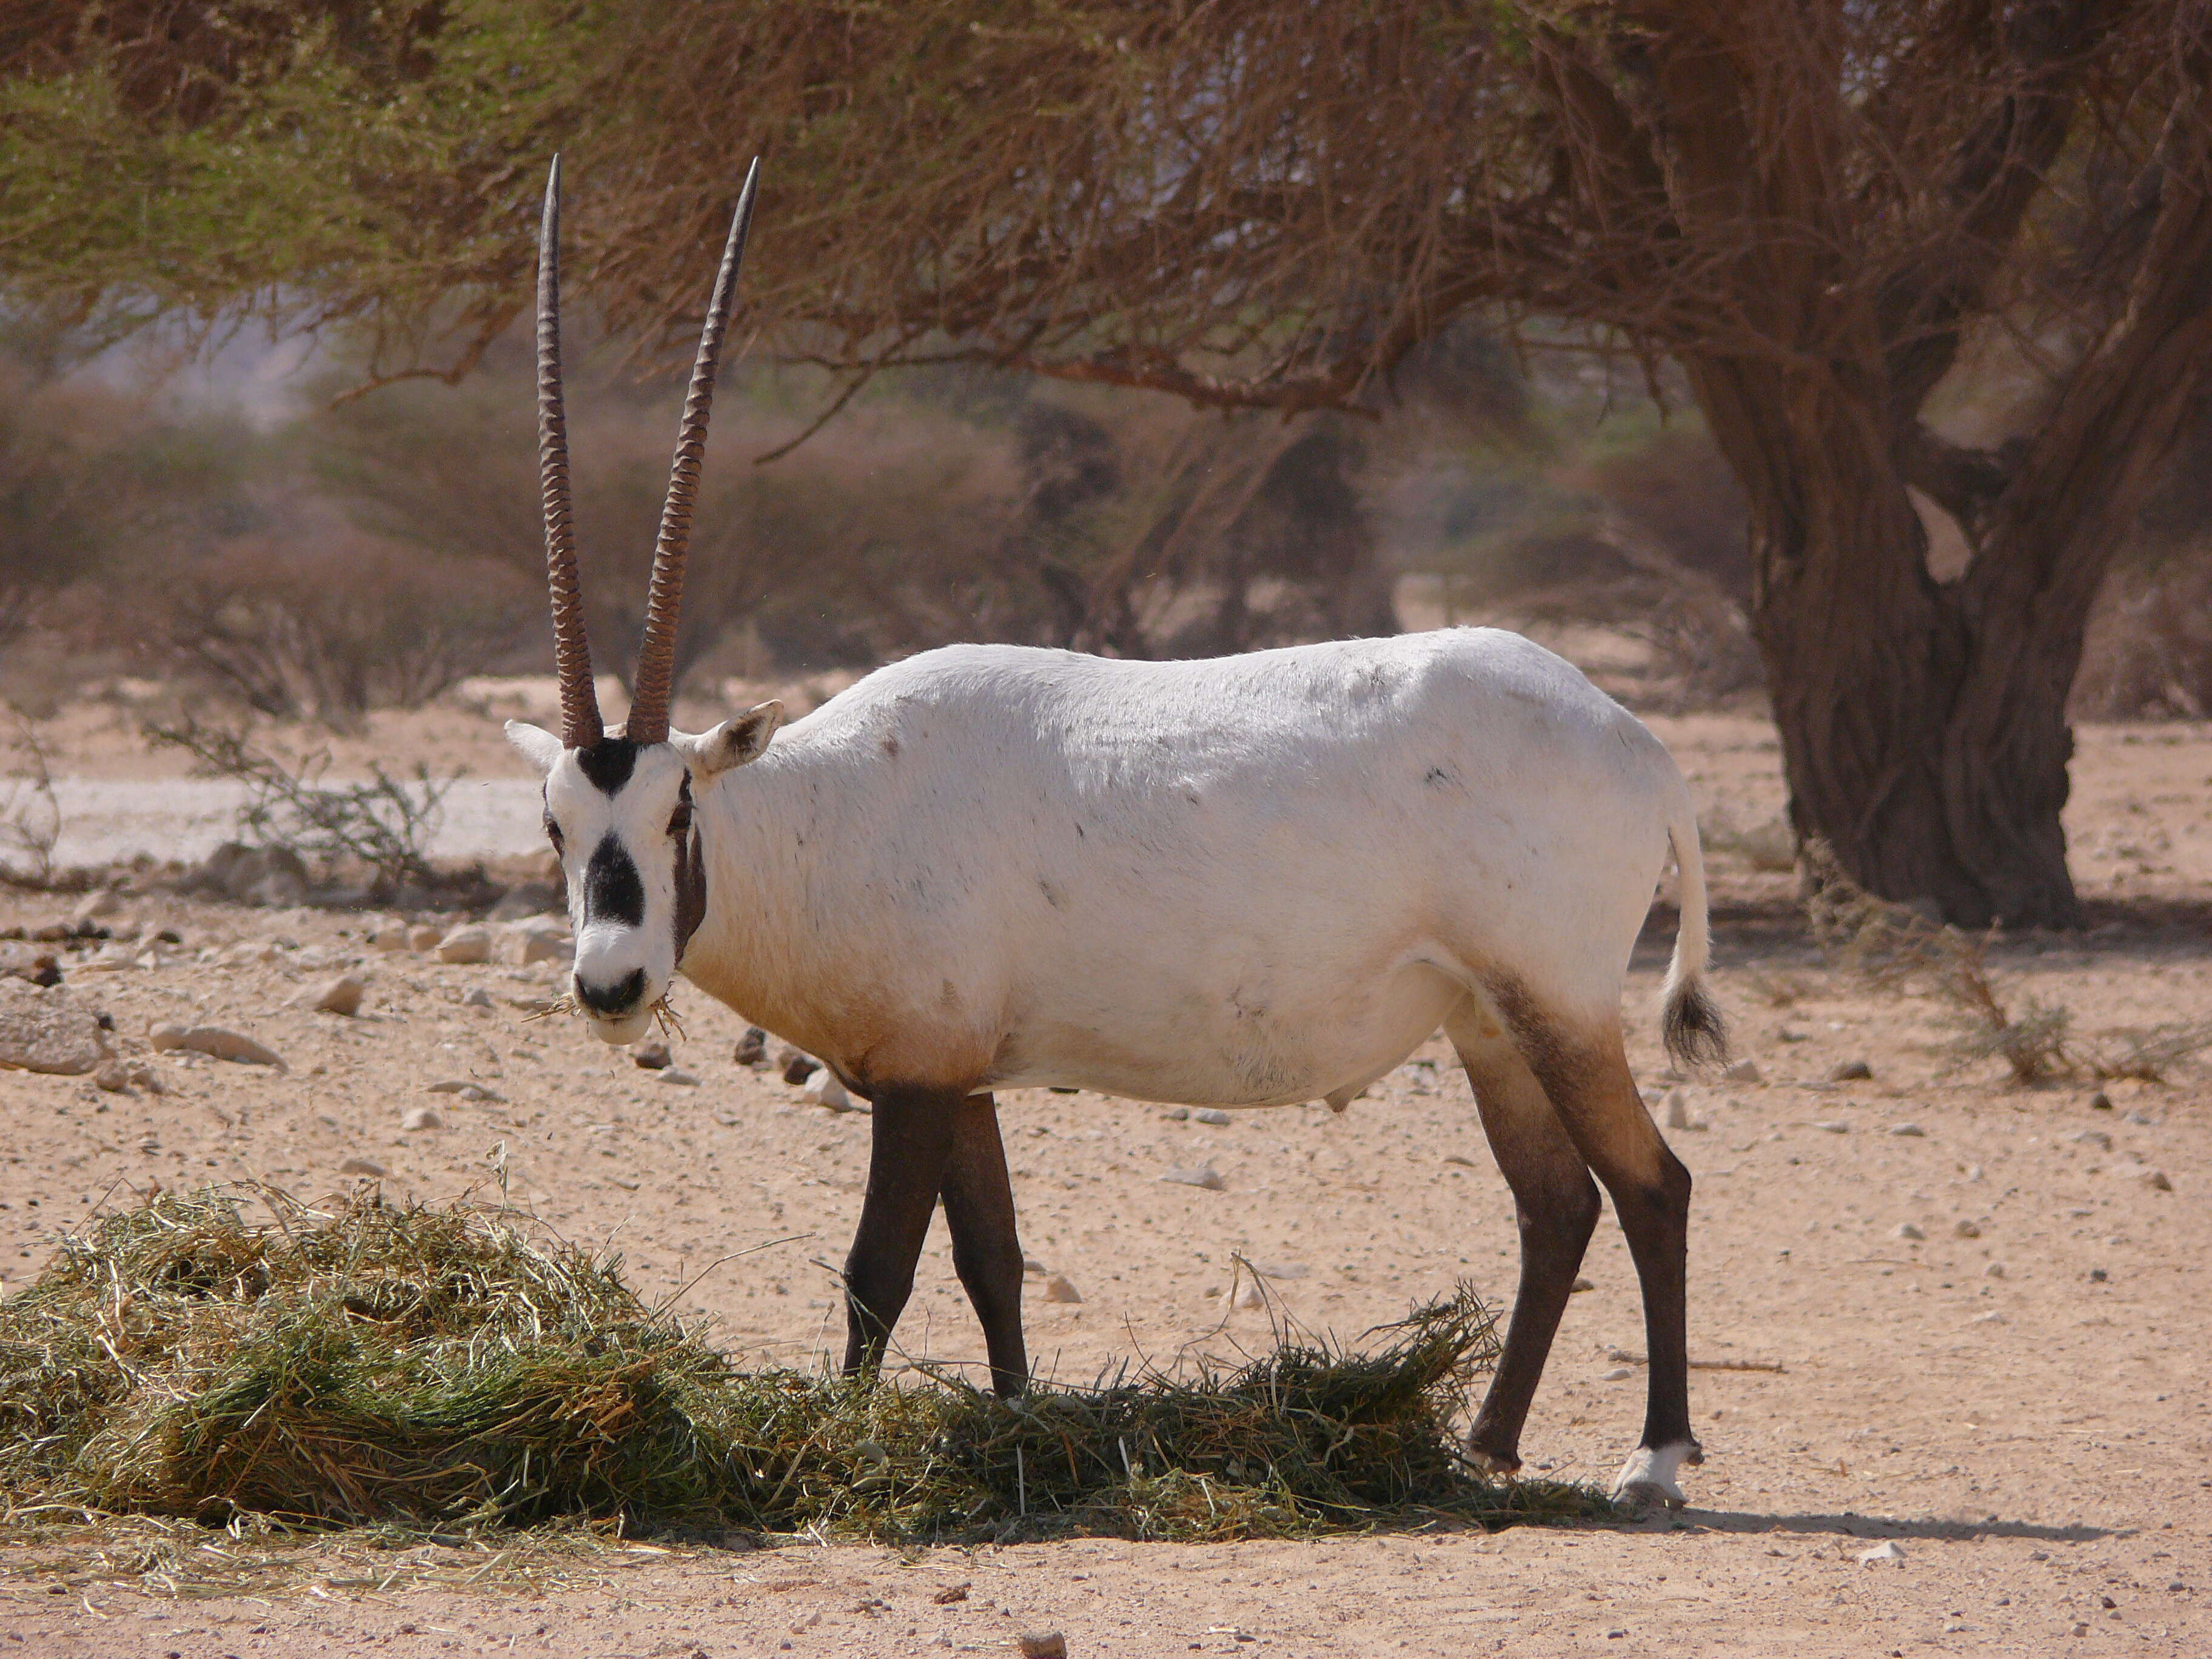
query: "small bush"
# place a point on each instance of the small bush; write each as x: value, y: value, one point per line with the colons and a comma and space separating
x: 437, y: 1370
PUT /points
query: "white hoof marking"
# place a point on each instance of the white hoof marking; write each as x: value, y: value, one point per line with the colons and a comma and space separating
x: 1647, y: 1480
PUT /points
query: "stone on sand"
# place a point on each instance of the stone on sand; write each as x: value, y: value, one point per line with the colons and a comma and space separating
x: 217, y: 1041
x: 421, y: 1117
x: 468, y: 946
x: 44, y: 1028
x: 1202, y: 1175
x: 342, y: 995
x: 1059, y: 1287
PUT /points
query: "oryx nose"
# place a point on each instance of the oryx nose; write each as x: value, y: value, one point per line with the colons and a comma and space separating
x: 619, y: 997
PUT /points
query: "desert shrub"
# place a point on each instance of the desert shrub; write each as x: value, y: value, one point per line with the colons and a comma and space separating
x: 307, y: 620
x: 442, y: 1369
x: 385, y: 822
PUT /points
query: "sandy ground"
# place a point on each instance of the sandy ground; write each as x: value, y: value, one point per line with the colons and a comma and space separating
x: 2019, y: 1397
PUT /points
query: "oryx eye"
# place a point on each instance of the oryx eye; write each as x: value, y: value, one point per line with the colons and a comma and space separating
x: 553, y: 833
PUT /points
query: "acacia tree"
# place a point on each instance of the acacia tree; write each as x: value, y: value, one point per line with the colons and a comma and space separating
x: 1816, y: 208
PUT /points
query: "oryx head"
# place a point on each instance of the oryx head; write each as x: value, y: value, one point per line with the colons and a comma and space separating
x: 618, y: 806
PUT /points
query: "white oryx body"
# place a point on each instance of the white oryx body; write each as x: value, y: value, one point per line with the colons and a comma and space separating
x: 1248, y: 881
x: 1244, y: 882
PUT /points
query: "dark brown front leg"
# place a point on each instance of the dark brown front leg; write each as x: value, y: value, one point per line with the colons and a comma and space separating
x: 987, y: 1249
x: 912, y: 1140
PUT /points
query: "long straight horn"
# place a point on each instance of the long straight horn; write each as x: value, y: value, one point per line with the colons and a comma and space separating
x: 581, y: 726
x: 656, y: 660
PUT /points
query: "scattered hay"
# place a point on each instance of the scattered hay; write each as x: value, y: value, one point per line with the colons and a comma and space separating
x: 439, y: 1372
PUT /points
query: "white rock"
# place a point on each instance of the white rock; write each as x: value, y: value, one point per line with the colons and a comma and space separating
x: 388, y: 939
x: 1213, y: 1114
x: 1744, y: 1071
x: 424, y: 936
x: 1678, y: 1110
x: 422, y: 1117
x: 1203, y: 1174
x: 1059, y: 1287
x: 216, y: 1041
x: 363, y: 1166
x: 47, y: 1030
x: 538, y: 939
x: 1883, y: 1553
x: 823, y: 1089
x: 467, y: 946
x: 342, y: 995
x: 1834, y: 1127
x: 476, y: 997
x: 1912, y: 1130
x: 2096, y: 1138
x: 113, y: 1077
x: 1248, y: 1295
x: 1618, y: 1373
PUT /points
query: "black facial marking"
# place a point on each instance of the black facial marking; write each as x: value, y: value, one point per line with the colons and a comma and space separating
x: 618, y: 998
x: 608, y: 764
x: 612, y: 891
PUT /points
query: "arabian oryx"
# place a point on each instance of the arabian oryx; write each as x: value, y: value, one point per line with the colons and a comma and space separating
x: 1254, y: 881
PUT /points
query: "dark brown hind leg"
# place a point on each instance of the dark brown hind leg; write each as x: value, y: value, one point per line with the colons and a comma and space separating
x: 1584, y: 1070
x: 987, y: 1249
x: 911, y: 1142
x: 1556, y: 1204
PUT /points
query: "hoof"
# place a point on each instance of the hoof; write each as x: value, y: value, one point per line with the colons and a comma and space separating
x: 1504, y: 1465
x: 1646, y: 1482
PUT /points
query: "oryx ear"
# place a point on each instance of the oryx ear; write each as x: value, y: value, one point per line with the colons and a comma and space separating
x: 536, y: 745
x: 731, y: 744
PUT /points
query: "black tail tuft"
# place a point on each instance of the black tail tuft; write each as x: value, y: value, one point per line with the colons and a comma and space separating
x: 1695, y: 1033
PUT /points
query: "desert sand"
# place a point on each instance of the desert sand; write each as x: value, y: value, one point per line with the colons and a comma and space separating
x: 2017, y: 1397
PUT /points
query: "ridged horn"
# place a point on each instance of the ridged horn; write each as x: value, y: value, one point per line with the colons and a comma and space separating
x: 656, y: 660
x: 580, y: 725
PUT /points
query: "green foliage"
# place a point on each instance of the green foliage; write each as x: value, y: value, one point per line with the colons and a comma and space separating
x: 436, y: 1371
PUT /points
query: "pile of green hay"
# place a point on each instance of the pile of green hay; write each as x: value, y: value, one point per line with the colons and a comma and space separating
x: 439, y: 1370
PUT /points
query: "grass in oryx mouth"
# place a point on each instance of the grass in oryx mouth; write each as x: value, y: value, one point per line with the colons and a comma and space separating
x: 447, y: 1373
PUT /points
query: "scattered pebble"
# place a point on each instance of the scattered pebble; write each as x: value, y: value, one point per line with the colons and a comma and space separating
x: 2157, y: 1183
x: 753, y: 1048
x: 1617, y: 1373
x: 467, y: 1088
x: 1177, y: 1115
x: 1464, y: 1162
x: 388, y: 939
x: 422, y: 1117
x: 2100, y: 1101
x: 1203, y: 1174
x: 1213, y: 1114
x: 476, y: 997
x: 469, y: 946
x: 1044, y: 1644
x: 1248, y: 1295
x: 1995, y: 1270
x: 1834, y: 1127
x: 112, y: 1076
x: 1967, y: 1229
x: 1744, y: 1071
x: 215, y: 1041
x: 1678, y: 1110
x: 1912, y: 1129
x: 796, y: 1066
x: 1059, y: 1287
x: 1906, y: 1230
x: 1031, y: 1265
x: 2098, y: 1276
x: 363, y: 1166
x: 2096, y: 1138
x: 679, y: 1077
x: 652, y: 1053
x: 424, y: 936
x: 1580, y: 1286
x: 1883, y: 1553
x: 1849, y: 1071
x: 342, y: 995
